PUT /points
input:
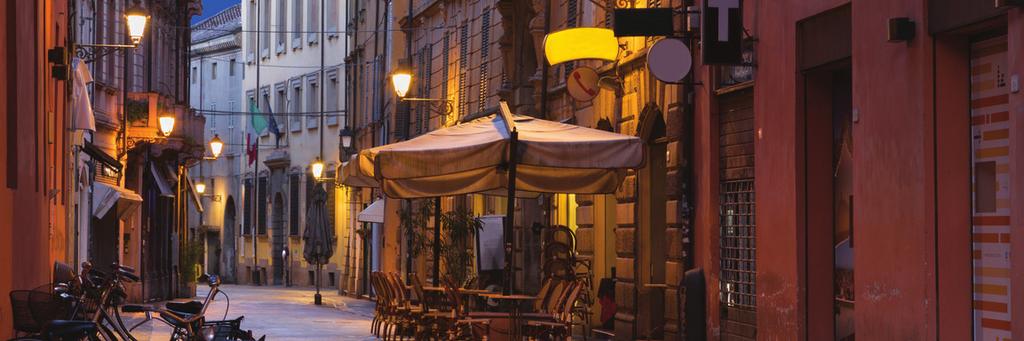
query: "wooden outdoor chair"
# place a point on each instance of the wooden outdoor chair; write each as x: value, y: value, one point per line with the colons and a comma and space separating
x: 559, y: 325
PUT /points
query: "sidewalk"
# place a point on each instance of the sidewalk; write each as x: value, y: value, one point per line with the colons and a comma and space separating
x: 281, y: 314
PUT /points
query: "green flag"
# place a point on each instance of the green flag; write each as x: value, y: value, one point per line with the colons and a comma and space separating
x: 259, y: 120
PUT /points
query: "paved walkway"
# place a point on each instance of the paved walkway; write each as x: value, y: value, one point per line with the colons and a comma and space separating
x: 283, y: 314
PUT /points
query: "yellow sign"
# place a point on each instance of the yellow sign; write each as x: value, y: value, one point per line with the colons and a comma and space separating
x: 580, y: 43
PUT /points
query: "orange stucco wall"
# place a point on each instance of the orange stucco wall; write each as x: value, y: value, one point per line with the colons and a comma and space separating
x: 911, y: 176
x: 32, y: 222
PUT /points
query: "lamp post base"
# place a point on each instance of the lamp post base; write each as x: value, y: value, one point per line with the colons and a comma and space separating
x: 318, y: 300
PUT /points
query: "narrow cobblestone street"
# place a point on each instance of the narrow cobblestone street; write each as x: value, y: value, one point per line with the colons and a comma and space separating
x: 283, y: 314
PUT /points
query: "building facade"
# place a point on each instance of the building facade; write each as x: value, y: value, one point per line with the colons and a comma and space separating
x: 133, y: 185
x: 929, y: 200
x: 34, y: 198
x: 294, y: 54
x: 215, y: 82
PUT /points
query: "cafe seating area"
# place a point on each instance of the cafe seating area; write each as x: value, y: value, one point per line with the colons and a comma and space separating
x: 452, y: 312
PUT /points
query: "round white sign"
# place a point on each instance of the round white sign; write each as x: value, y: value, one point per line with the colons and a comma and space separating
x: 669, y: 60
x: 582, y: 83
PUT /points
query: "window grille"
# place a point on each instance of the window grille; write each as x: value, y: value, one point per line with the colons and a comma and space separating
x: 737, y: 244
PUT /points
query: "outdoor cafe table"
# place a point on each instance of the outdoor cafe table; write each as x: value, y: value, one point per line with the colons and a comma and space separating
x: 514, y: 314
x: 440, y: 291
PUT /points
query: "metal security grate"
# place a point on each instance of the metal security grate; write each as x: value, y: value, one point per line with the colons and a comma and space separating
x: 737, y: 244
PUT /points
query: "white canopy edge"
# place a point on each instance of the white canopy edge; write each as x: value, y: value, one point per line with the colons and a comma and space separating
x: 373, y: 213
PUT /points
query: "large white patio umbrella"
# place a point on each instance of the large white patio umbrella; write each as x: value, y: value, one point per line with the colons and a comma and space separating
x: 474, y: 157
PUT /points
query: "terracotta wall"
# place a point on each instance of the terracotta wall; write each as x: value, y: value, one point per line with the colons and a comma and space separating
x: 32, y: 227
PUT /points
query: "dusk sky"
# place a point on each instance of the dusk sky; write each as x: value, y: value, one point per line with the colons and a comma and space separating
x: 211, y: 7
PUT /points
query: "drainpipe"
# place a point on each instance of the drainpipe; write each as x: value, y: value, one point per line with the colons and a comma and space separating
x: 545, y: 69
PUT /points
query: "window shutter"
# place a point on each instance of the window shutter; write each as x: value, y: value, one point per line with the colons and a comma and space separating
x: 463, y: 67
x: 571, y: 20
x: 293, y: 204
x: 247, y: 207
x: 445, y: 52
x: 485, y: 48
x: 261, y: 212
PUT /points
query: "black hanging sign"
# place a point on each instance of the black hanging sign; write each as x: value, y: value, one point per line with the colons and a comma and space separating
x: 722, y: 32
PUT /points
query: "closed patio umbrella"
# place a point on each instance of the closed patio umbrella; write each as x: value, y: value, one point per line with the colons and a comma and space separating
x: 503, y: 152
x: 318, y: 237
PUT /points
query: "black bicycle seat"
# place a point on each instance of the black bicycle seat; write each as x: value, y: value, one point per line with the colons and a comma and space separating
x: 191, y: 307
x: 69, y: 330
x: 135, y: 308
x: 176, y: 318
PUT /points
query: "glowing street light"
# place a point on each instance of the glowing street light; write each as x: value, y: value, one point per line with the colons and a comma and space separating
x: 401, y: 79
x: 166, y: 123
x: 200, y: 187
x: 318, y: 168
x: 136, y: 18
x: 216, y: 146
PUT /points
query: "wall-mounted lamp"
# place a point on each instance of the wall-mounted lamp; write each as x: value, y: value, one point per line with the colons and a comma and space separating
x: 901, y: 30
x: 136, y: 17
x: 166, y: 123
x: 317, y: 168
x: 345, y: 137
x: 216, y: 146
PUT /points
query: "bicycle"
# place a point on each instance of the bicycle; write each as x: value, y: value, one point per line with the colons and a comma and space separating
x: 97, y: 300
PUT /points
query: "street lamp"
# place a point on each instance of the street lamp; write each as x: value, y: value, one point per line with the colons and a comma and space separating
x: 200, y: 187
x: 216, y: 146
x: 345, y: 135
x: 318, y: 168
x: 136, y: 18
x: 166, y: 123
x: 401, y: 79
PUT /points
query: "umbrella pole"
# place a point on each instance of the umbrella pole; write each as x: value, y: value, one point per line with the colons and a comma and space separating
x: 317, y: 299
x: 437, y: 240
x: 510, y: 213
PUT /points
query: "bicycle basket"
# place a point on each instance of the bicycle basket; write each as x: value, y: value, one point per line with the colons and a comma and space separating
x: 22, y: 314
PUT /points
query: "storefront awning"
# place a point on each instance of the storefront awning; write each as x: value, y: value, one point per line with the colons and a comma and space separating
x: 106, y: 197
x: 373, y: 213
x: 161, y: 181
x: 195, y: 196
